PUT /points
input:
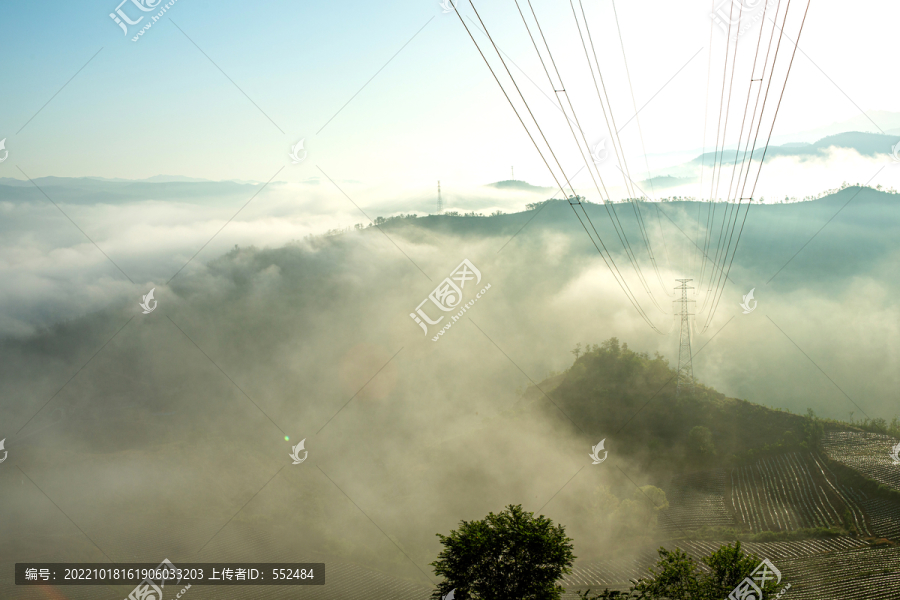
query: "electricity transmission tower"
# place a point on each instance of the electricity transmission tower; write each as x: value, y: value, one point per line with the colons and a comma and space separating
x: 685, y: 382
x: 440, y: 204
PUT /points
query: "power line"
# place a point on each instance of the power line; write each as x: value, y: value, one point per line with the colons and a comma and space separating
x: 729, y: 204
x: 509, y: 100
x: 623, y: 284
x: 622, y: 237
x: 772, y: 128
x: 633, y: 101
x: 626, y: 173
x: 718, y: 172
x: 710, y: 217
x: 740, y: 137
x: 705, y: 123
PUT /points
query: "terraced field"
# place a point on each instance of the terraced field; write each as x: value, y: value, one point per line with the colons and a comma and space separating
x: 791, y: 491
x: 778, y: 493
x: 884, y: 516
x: 834, y: 569
x: 778, y: 551
x: 618, y: 571
x: 696, y: 500
x: 868, y: 453
x: 870, y: 574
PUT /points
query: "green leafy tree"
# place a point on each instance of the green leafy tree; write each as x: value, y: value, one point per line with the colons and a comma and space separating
x: 639, y: 515
x: 847, y: 518
x: 700, y: 441
x: 508, y: 556
x: 677, y: 576
x: 729, y: 565
x: 813, y: 430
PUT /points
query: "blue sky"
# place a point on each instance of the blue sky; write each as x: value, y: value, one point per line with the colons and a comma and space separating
x: 159, y: 106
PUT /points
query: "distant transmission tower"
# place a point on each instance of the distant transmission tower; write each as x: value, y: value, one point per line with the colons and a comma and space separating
x: 440, y: 207
x: 685, y: 381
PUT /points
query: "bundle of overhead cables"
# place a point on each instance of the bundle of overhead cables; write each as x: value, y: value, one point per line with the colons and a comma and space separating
x: 769, y: 72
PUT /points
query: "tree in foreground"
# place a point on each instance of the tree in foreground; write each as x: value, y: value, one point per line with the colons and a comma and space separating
x: 678, y: 577
x: 508, y: 556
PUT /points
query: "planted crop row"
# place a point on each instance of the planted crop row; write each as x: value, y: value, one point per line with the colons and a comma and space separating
x: 884, y: 516
x: 778, y: 550
x: 779, y: 493
x: 850, y: 497
x: 868, y: 453
x: 617, y: 571
x: 869, y: 574
x: 696, y: 500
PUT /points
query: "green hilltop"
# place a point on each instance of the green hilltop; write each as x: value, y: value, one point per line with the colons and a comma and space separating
x: 628, y: 397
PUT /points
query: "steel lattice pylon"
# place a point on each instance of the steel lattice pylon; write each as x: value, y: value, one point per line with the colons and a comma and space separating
x: 685, y: 382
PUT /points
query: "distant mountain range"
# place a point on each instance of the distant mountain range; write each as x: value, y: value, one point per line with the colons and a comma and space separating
x: 866, y: 144
x: 872, y: 121
x: 93, y: 190
x: 101, y: 189
x: 154, y: 179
